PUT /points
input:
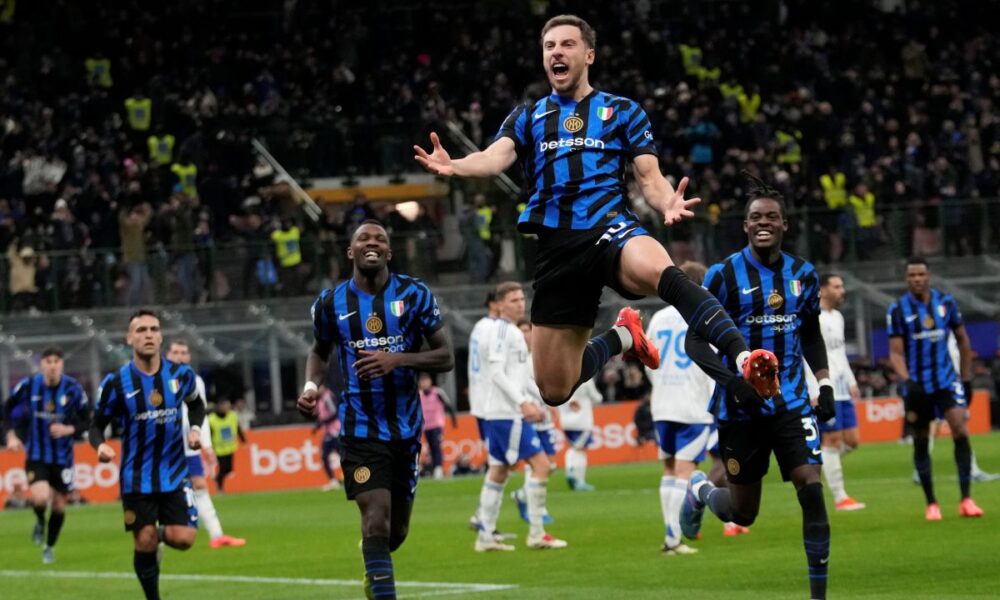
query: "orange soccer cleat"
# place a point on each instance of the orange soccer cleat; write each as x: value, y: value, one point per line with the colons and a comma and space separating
x: 761, y: 371
x: 968, y: 508
x: 642, y: 349
x: 933, y: 512
x: 849, y: 504
x: 225, y: 540
x: 731, y: 529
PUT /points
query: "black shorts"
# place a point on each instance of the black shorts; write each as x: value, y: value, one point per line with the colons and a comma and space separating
x: 572, y: 269
x: 746, y: 446
x: 928, y: 407
x: 169, y: 508
x: 375, y: 464
x: 59, y: 477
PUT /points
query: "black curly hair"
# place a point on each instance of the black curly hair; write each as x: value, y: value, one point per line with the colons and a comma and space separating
x: 758, y: 188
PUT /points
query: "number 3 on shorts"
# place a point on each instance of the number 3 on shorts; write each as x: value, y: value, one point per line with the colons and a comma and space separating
x: 810, y: 427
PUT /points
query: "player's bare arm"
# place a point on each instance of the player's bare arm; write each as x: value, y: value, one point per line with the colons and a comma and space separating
x: 14, y: 443
x: 897, y: 358
x: 439, y: 358
x: 964, y: 352
x: 659, y: 193
x: 492, y: 161
x: 317, y: 364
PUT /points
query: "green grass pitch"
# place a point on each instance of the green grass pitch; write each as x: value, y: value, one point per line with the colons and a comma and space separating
x: 614, y: 534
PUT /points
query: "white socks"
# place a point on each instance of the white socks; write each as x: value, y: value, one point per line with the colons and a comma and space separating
x: 834, y: 473
x: 672, y: 492
x: 489, y: 508
x: 206, y: 512
x: 576, y: 465
x: 537, y: 493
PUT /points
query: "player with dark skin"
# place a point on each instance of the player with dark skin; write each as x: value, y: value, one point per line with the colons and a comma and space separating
x: 765, y: 226
x: 370, y: 253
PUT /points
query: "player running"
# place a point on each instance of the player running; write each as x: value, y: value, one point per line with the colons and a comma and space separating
x: 376, y: 322
x: 918, y: 351
x: 510, y: 414
x: 49, y: 408
x: 574, y: 146
x: 180, y: 353
x: 679, y: 404
x: 839, y: 435
x: 774, y: 296
x: 576, y: 418
x: 146, y: 397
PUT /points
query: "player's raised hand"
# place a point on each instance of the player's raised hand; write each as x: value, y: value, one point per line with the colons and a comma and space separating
x: 376, y: 364
x: 676, y: 207
x: 105, y: 453
x: 13, y: 442
x: 438, y: 161
x: 307, y: 402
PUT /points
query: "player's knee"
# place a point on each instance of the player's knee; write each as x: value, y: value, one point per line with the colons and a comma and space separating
x: 375, y: 524
x: 744, y: 519
x: 555, y: 393
x: 183, y: 541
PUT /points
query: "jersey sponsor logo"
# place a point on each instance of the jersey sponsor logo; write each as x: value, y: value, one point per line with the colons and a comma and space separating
x: 604, y: 113
x: 160, y: 416
x: 342, y: 317
x: 373, y: 324
x: 795, y: 286
x: 775, y: 301
x: 362, y: 475
x: 933, y: 335
x: 770, y: 319
x: 570, y: 143
x: 573, y: 124
x: 397, y: 308
x: 386, y: 340
x: 155, y: 398
x: 548, y: 112
x: 748, y: 291
x: 733, y: 466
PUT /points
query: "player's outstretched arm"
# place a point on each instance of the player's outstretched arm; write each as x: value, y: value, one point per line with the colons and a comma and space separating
x: 659, y: 193
x: 814, y: 351
x: 496, y: 159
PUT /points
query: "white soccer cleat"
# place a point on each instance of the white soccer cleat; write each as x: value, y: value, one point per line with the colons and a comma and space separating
x: 678, y: 550
x: 545, y: 541
x: 492, y: 545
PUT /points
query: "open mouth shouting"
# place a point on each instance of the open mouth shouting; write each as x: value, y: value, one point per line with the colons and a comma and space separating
x: 560, y: 71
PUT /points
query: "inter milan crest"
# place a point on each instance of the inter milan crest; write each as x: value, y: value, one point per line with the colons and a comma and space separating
x: 50, y: 406
x: 155, y: 398
x: 775, y: 301
x: 573, y: 124
x: 733, y: 466
x: 362, y: 475
x: 929, y: 322
x: 373, y: 324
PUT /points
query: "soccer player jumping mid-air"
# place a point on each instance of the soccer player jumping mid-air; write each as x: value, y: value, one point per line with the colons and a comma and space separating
x: 574, y: 145
x: 774, y: 296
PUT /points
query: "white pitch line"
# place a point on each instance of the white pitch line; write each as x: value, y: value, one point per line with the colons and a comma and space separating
x: 440, y: 588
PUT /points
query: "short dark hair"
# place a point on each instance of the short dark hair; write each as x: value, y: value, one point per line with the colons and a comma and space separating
x: 586, y: 31
x: 918, y: 260
x: 758, y: 189
x: 825, y: 278
x: 52, y: 351
x: 374, y: 222
x: 143, y: 312
x: 507, y: 287
x: 491, y: 297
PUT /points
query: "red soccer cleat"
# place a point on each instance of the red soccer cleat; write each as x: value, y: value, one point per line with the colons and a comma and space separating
x: 761, y: 371
x: 731, y: 529
x: 933, y: 512
x: 968, y: 508
x: 849, y: 504
x: 225, y: 540
x: 642, y: 349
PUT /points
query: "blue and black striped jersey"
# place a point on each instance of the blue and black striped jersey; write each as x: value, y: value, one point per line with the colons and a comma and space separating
x: 769, y: 304
x: 574, y: 156
x: 924, y: 329
x: 41, y: 406
x: 396, y: 319
x: 150, y: 413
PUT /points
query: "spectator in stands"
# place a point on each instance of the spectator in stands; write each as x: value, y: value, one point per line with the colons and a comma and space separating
x: 180, y: 214
x: 132, y: 223
x: 23, y: 289
x: 288, y: 251
x: 358, y: 213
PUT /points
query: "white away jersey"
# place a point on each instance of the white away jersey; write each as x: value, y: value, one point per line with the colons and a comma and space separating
x: 587, y: 395
x: 206, y: 435
x: 505, y: 371
x: 681, y: 390
x: 831, y: 323
x: 477, y: 358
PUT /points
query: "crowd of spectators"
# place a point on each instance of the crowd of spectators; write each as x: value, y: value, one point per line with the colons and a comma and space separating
x: 126, y: 127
